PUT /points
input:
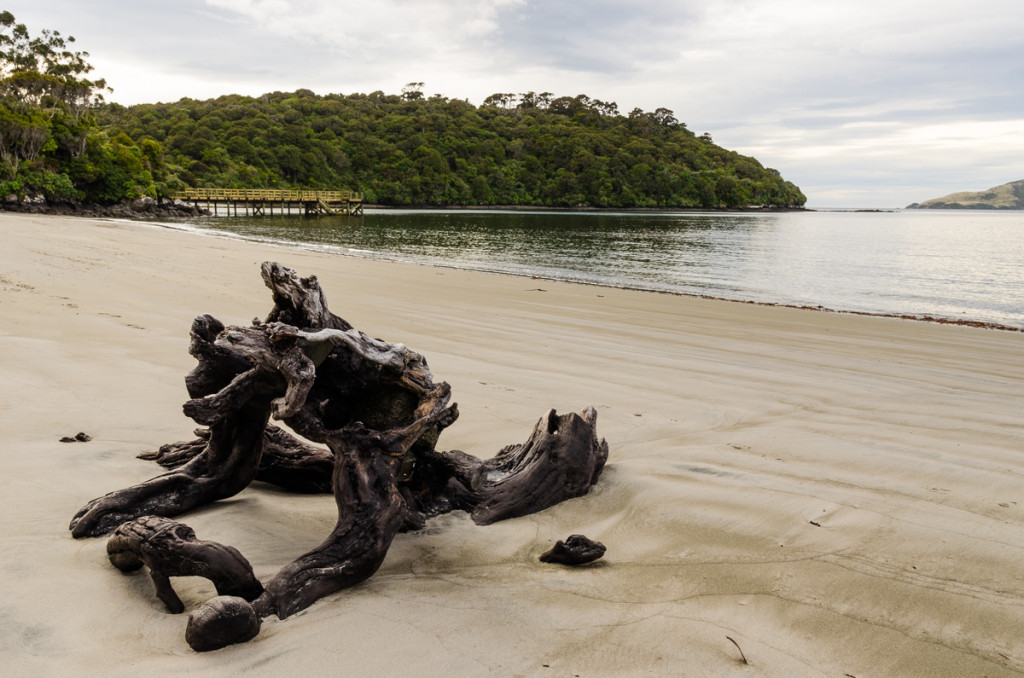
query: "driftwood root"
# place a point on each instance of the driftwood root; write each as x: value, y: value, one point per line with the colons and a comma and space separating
x: 286, y: 462
x: 562, y: 459
x: 170, y: 549
x: 373, y: 414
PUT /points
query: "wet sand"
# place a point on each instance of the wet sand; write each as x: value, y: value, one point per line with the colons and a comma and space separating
x: 840, y: 495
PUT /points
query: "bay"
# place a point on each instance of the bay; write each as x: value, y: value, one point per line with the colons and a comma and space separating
x: 951, y: 265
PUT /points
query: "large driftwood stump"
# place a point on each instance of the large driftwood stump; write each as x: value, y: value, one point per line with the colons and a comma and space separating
x: 372, y: 415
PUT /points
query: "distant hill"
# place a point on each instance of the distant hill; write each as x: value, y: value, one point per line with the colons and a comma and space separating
x: 1006, y: 197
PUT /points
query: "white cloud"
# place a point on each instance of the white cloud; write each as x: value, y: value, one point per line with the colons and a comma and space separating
x: 424, y: 27
x: 849, y: 99
x: 892, y: 163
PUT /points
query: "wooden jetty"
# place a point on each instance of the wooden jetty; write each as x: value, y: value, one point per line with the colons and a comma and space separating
x: 260, y: 201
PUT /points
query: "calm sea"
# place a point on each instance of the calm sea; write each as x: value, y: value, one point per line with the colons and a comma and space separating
x: 952, y: 265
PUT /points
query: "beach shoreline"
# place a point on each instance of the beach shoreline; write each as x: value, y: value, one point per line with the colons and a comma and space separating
x: 838, y: 493
x: 918, y: 317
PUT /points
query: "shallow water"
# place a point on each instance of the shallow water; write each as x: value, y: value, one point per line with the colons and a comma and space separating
x: 954, y: 265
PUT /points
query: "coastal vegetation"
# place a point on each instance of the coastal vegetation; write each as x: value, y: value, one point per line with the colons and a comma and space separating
x: 50, y: 142
x: 407, y: 149
x: 1005, y: 197
x: 61, y: 141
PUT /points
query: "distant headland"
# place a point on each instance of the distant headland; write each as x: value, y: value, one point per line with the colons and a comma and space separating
x: 1006, y: 197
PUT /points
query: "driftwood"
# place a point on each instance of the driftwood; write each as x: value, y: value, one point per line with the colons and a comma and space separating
x: 562, y: 459
x: 170, y: 549
x: 286, y: 461
x: 221, y: 621
x: 373, y: 414
x: 576, y: 550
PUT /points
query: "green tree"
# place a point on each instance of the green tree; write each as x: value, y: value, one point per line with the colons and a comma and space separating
x: 515, y: 149
x: 48, y: 136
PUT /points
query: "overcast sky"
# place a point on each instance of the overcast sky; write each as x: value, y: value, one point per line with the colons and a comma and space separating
x: 863, y: 103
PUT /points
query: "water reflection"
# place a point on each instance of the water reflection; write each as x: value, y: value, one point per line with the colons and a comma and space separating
x: 949, y: 264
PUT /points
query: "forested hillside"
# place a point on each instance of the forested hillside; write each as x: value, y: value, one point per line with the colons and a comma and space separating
x: 408, y: 149
x: 60, y: 142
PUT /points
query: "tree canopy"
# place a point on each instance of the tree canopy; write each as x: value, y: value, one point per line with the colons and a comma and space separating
x: 408, y: 149
x: 50, y: 144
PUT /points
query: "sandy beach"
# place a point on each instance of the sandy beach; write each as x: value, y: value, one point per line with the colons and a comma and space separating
x: 840, y: 495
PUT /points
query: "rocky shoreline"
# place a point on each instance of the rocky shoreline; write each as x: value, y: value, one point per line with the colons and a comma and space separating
x: 148, y: 208
x: 142, y: 208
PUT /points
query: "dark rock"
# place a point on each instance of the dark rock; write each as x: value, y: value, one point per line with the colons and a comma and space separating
x: 576, y: 550
x: 77, y: 438
x: 144, y: 207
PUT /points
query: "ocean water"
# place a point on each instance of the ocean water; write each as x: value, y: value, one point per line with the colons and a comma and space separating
x: 954, y: 265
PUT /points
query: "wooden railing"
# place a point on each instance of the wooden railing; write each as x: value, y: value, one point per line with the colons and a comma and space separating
x: 266, y: 195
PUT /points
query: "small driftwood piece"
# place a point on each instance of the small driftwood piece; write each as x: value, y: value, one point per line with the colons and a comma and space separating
x: 170, y: 549
x: 220, y: 622
x: 576, y: 550
x: 374, y: 415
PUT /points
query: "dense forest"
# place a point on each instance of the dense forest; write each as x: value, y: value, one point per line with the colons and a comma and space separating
x: 406, y: 149
x: 50, y: 143
x: 61, y: 140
